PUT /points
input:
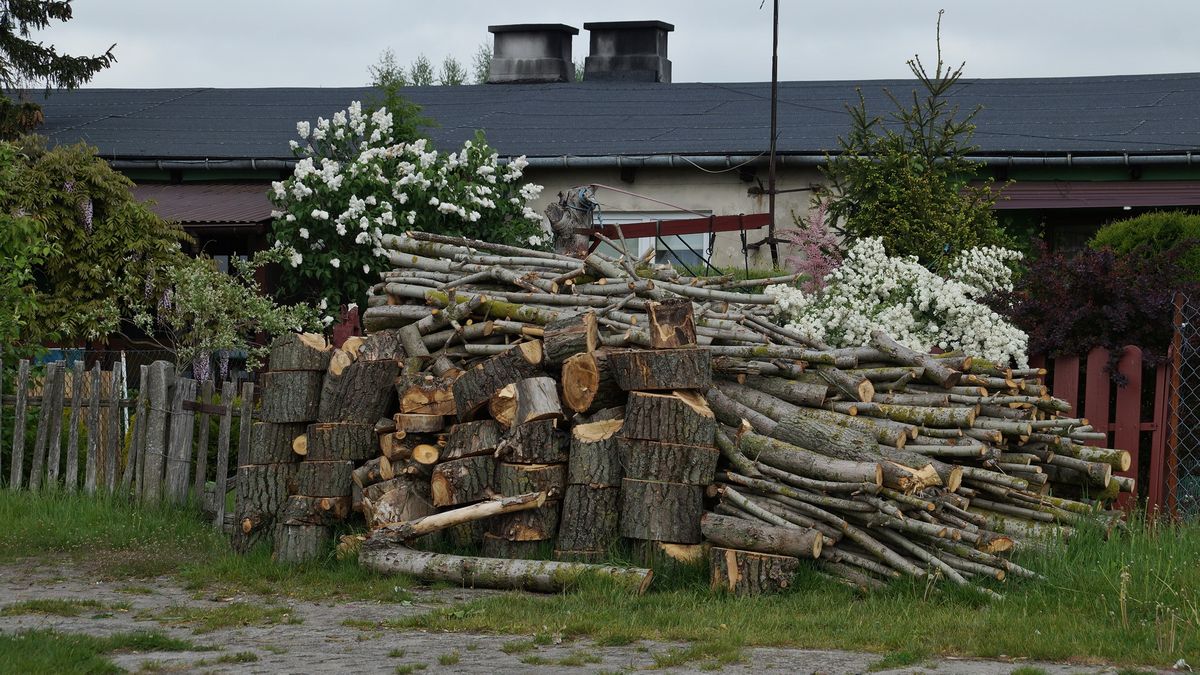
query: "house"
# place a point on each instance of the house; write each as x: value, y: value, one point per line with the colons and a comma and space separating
x: 1082, y: 150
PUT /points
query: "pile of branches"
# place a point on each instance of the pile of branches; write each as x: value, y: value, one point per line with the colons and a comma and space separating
x: 895, y: 462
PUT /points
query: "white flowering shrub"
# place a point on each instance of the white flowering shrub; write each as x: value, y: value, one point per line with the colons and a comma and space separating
x: 354, y: 182
x: 917, y: 307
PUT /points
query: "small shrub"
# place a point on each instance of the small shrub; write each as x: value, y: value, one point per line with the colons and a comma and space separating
x: 1156, y: 234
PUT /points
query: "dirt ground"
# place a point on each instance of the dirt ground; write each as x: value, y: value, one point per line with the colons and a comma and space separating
x: 320, y: 643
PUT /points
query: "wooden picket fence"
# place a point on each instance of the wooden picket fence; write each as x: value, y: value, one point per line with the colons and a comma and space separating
x: 145, y: 447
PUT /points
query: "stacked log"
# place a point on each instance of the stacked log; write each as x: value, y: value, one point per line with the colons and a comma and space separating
x: 899, y: 463
x: 290, y: 398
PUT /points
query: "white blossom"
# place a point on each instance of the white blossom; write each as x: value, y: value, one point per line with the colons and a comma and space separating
x: 335, y: 262
x: 303, y: 129
x: 296, y: 259
x: 304, y: 233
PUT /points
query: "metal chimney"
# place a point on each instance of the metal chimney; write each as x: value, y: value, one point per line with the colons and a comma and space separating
x: 628, y: 50
x: 532, y: 52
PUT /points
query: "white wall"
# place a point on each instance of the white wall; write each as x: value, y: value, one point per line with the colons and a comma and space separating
x: 691, y: 188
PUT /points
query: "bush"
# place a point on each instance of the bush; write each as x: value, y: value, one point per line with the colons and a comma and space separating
x: 1070, y: 303
x: 1156, y: 234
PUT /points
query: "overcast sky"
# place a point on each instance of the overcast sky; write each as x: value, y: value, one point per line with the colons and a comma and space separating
x: 259, y: 43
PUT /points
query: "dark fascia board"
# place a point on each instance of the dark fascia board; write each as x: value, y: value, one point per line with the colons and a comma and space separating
x: 534, y: 28
x: 620, y: 25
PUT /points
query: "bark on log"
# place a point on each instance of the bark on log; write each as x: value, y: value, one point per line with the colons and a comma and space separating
x: 668, y: 463
x: 381, y: 346
x: 542, y: 575
x: 361, y: 392
x: 537, y: 399
x: 404, y: 499
x: 291, y: 396
x: 463, y: 481
x: 300, y: 351
x: 590, y: 518
x: 567, y: 337
x: 271, y: 443
x: 321, y: 479
x: 749, y: 535
x: 594, y: 459
x: 936, y: 371
x: 502, y: 406
x: 468, y: 439
x: 570, y: 216
x: 537, y: 524
x: 792, y: 391
x: 540, y: 442
x: 517, y: 479
x: 671, y: 324
x: 295, y: 544
x: 303, y: 510
x: 372, y: 472
x: 262, y: 491
x: 588, y: 384
x: 679, y: 417
x: 419, y: 423
x: 748, y: 573
x: 397, y: 532
x: 474, y: 387
x: 658, y: 555
x: 663, y: 369
x: 792, y: 458
x: 661, y: 511
x: 499, y: 547
x: 427, y: 395
x: 340, y: 441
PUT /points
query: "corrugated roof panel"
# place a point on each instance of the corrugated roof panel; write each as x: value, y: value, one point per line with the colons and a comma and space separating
x: 211, y: 203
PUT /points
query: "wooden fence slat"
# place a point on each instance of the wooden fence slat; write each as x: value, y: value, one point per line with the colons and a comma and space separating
x: 1095, y: 400
x: 116, y: 437
x: 18, y: 449
x: 1, y: 419
x: 228, y: 392
x: 156, y: 431
x: 71, y: 470
x: 54, y: 456
x: 1155, y: 500
x: 131, y: 477
x: 246, y: 423
x: 91, y: 467
x: 206, y: 394
x: 1066, y: 380
x: 43, y: 429
x: 179, y: 452
x: 1129, y: 408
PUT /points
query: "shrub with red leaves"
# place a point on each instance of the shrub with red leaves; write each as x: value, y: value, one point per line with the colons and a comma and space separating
x: 1070, y: 303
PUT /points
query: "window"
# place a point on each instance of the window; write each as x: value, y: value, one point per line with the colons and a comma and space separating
x: 689, y: 250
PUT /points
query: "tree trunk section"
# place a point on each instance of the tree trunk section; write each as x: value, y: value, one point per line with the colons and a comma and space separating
x: 518, y: 479
x: 792, y: 391
x: 463, y: 481
x: 748, y: 573
x: 538, y: 524
x: 594, y: 460
x: 336, y: 441
x: 668, y: 463
x: 321, y: 479
x: 683, y: 418
x: 373, y: 471
x: 271, y: 443
x: 300, y: 351
x: 419, y: 423
x: 301, y: 510
x: 667, y: 512
x: 291, y: 396
x: 663, y: 369
x: 262, y: 492
x: 427, y: 396
x: 398, y: 531
x: 571, y: 215
x: 749, y: 535
x: 537, y: 399
x: 588, y: 384
x: 590, y: 518
x: 671, y: 323
x: 468, y: 439
x: 803, y: 462
x: 474, y: 388
x: 295, y: 544
x: 361, y: 392
x: 540, y: 442
x: 567, y: 337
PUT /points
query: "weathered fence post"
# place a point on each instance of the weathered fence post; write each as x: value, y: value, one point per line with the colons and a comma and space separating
x: 206, y: 394
x: 156, y: 431
x: 43, y: 429
x: 54, y: 456
x: 93, y: 432
x: 228, y: 392
x: 71, y: 471
x: 115, y: 436
x: 179, y: 452
x: 137, y: 445
x: 18, y: 450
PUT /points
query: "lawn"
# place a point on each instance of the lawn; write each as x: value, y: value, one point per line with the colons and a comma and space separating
x: 1131, y: 600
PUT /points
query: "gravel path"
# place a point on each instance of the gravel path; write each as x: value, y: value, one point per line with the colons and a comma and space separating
x: 320, y: 643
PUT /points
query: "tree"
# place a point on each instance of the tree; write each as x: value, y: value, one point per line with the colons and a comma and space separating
x: 23, y: 248
x: 451, y: 73
x: 356, y: 182
x: 481, y: 64
x: 907, y: 179
x: 420, y: 73
x: 25, y: 61
x: 387, y: 72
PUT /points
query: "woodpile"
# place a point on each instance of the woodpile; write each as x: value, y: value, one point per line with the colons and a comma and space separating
x: 669, y: 413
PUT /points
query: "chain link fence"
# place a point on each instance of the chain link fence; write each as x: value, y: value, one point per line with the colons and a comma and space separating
x: 1183, y: 471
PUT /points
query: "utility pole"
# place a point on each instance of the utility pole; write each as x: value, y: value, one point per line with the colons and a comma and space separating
x: 774, y: 122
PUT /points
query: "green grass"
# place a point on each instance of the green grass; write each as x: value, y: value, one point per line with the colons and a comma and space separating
x: 59, y: 607
x: 1084, y: 612
x: 48, y: 651
x: 449, y: 659
x: 1028, y: 670
x: 518, y: 647
x: 578, y: 658
x: 234, y: 614
x: 898, y: 659
x: 535, y: 660
x: 407, y: 668
x: 397, y: 653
